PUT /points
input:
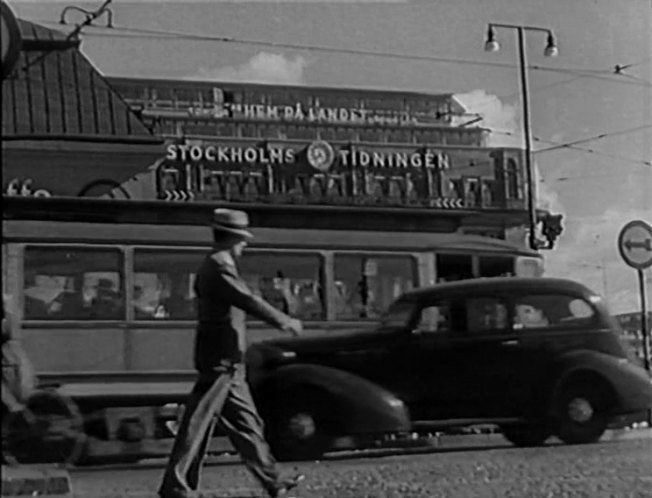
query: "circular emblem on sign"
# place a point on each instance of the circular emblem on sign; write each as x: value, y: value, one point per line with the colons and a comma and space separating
x: 635, y: 244
x: 320, y: 155
x: 11, y: 39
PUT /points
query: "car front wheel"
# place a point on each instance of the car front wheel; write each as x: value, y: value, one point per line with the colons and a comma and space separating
x: 583, y: 411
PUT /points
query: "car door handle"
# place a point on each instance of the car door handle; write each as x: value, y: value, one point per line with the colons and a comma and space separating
x: 511, y: 342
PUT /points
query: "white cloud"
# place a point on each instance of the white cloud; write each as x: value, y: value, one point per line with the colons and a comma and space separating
x: 264, y: 67
x: 498, y: 116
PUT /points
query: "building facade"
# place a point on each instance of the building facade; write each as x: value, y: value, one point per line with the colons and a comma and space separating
x: 65, y: 131
x: 252, y: 143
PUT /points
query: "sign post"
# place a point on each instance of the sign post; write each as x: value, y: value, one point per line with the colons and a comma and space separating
x: 635, y: 246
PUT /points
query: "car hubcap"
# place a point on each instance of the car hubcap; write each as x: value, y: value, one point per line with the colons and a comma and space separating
x: 302, y: 425
x: 580, y: 410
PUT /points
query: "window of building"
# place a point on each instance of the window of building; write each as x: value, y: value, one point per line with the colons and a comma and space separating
x: 301, y: 132
x: 365, y: 285
x: 370, y: 135
x: 163, y: 284
x: 512, y: 180
x: 345, y: 134
x: 432, y: 136
x: 248, y: 130
x: 225, y: 130
x: 290, y: 282
x: 73, y: 284
x: 326, y: 133
x: 399, y: 136
x: 551, y: 310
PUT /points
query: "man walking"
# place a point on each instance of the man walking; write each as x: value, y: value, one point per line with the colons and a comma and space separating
x: 221, y: 391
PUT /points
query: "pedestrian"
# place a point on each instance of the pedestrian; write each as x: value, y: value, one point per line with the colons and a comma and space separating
x: 221, y: 391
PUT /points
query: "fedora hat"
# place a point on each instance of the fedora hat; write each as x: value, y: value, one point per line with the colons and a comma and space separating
x: 232, y: 222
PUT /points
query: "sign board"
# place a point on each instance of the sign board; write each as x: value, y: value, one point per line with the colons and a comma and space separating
x: 321, y: 173
x: 635, y: 244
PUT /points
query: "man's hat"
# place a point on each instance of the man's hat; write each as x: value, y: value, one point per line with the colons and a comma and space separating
x: 231, y: 221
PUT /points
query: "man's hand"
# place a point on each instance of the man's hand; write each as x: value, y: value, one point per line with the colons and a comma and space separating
x: 294, y: 327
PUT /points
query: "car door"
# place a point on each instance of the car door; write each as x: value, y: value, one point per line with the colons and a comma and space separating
x: 427, y: 364
x: 491, y: 358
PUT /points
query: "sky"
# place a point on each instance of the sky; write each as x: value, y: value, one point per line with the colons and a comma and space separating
x: 436, y: 46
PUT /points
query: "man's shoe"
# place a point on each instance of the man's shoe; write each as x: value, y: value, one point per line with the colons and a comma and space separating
x: 286, y: 485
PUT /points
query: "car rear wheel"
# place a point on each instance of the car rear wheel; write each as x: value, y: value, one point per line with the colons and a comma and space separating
x: 527, y: 434
x: 583, y: 411
x: 299, y: 428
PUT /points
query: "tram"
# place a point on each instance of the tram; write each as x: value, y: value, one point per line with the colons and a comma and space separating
x: 102, y: 294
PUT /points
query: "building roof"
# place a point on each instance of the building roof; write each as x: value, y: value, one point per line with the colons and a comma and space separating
x: 55, y: 93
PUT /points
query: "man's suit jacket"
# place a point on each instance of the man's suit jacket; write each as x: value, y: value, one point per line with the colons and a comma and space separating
x: 223, y: 301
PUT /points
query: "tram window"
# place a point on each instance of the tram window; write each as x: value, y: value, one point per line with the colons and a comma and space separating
x: 163, y: 284
x: 452, y: 267
x: 365, y: 285
x: 73, y: 284
x: 496, y: 266
x: 290, y: 282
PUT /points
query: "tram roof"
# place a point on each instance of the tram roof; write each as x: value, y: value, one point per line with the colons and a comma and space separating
x: 403, y: 222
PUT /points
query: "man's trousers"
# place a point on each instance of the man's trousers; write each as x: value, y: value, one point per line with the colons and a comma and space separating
x: 223, y: 396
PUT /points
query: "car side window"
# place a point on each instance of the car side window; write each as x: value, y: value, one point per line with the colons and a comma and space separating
x: 540, y: 311
x: 435, y: 318
x: 551, y: 310
x: 486, y: 314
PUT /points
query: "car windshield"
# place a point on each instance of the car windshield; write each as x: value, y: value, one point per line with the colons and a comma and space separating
x: 397, y: 315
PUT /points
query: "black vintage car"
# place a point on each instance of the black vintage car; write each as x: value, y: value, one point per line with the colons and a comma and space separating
x: 537, y: 357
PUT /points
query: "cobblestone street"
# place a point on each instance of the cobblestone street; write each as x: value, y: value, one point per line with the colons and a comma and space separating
x: 619, y: 469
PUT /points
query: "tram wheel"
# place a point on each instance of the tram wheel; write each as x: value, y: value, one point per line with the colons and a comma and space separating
x: 49, y: 430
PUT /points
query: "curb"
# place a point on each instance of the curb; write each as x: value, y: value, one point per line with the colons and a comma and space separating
x: 497, y: 437
x: 44, y: 482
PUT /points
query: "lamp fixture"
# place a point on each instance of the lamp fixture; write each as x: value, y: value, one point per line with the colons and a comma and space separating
x: 491, y: 45
x: 551, y: 49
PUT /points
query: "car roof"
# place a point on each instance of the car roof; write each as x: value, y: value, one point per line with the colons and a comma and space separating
x: 538, y: 285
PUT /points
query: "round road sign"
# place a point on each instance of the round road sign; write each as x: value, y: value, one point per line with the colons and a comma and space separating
x: 635, y: 244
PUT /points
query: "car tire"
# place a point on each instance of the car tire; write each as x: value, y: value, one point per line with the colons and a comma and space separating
x: 582, y: 411
x: 528, y: 434
x: 299, y: 428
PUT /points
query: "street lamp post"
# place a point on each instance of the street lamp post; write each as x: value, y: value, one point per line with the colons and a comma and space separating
x: 551, y: 50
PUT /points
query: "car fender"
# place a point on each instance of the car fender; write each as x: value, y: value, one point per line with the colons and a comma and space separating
x: 361, y: 406
x: 630, y: 385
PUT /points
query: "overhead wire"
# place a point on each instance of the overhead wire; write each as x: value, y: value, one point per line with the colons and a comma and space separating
x: 600, y: 74
x: 558, y: 145
x: 596, y: 137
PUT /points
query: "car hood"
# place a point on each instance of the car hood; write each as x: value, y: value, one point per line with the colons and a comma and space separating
x: 333, y: 341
